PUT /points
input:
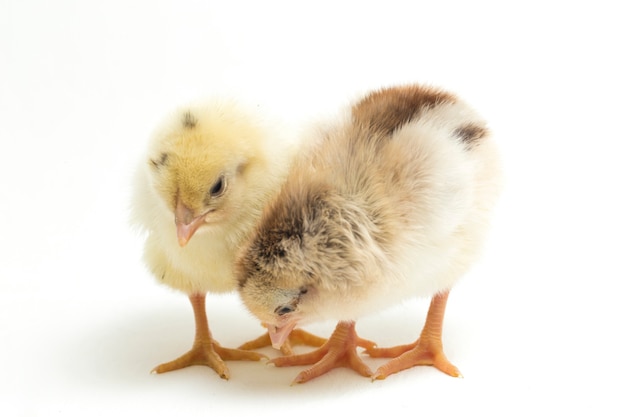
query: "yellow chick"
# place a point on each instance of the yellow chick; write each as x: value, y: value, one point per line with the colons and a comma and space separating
x: 391, y: 202
x: 209, y: 171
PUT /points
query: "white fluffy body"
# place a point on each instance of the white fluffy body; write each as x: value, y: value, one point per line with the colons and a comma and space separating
x: 371, y: 216
x: 440, y: 213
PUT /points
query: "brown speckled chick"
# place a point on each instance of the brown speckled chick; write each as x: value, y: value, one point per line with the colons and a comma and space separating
x: 209, y: 170
x: 389, y: 203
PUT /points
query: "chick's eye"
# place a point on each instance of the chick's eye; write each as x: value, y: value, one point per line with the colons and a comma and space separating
x: 218, y: 187
x: 282, y: 310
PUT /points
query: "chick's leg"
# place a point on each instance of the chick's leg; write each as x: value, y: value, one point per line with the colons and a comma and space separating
x: 427, y: 350
x: 205, y: 350
x: 296, y: 337
x: 338, y: 351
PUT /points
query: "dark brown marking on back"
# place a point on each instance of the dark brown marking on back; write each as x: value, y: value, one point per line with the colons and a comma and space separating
x: 389, y: 109
x: 470, y: 134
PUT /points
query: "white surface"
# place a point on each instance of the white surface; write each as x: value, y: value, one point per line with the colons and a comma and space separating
x: 536, y: 328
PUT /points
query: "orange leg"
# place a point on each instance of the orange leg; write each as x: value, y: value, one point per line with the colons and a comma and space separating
x: 206, y: 351
x: 296, y: 338
x: 427, y: 350
x: 338, y: 351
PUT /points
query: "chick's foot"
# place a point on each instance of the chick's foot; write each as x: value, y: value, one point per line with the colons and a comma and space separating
x: 424, y: 353
x: 208, y: 353
x: 338, y: 351
x: 296, y: 338
x: 205, y: 350
x: 427, y: 350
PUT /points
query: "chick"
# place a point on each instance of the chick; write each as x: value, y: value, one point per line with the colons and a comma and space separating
x: 391, y: 202
x: 209, y: 171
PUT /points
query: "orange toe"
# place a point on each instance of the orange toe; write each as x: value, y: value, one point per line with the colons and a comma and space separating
x: 200, y: 354
x: 338, y: 351
x: 211, y: 354
x: 390, y: 352
x: 421, y: 354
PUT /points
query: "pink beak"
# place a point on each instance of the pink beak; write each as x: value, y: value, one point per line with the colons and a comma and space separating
x: 278, y: 335
x: 186, y: 224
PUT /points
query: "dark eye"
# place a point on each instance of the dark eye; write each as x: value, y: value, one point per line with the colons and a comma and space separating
x: 218, y: 187
x: 303, y: 290
x: 282, y: 310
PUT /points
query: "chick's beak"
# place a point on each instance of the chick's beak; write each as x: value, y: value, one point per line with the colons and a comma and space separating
x: 186, y: 224
x: 278, y: 335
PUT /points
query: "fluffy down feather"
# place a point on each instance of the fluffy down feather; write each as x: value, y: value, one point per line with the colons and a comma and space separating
x: 391, y: 201
x: 220, y: 146
x: 209, y: 170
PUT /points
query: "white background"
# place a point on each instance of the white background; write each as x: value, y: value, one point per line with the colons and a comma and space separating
x: 537, y: 327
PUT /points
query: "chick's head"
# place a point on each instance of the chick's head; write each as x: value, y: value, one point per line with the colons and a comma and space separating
x: 199, y: 166
x: 275, y: 284
x: 299, y: 262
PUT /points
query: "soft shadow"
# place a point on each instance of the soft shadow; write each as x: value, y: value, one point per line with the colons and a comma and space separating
x: 118, y: 353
